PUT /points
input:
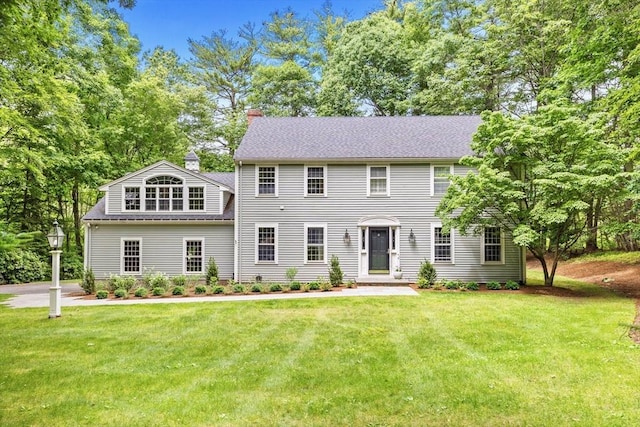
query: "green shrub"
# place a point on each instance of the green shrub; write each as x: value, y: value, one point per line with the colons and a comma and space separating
x: 335, y: 272
x: 512, y: 285
x: 201, y: 289
x: 295, y: 286
x: 71, y: 266
x: 160, y: 280
x: 452, y: 284
x: 211, y: 278
x: 326, y: 285
x: 275, y: 287
x: 179, y: 280
x: 218, y: 289
x: 351, y: 284
x: 256, y: 288
x: 88, y: 283
x: 427, y: 273
x: 238, y: 288
x: 178, y: 290
x: 306, y: 287
x: 494, y: 286
x: 473, y: 286
x: 158, y: 291
x: 291, y: 273
x: 102, y: 294
x: 423, y: 283
x: 141, y: 292
x: 314, y: 286
x: 120, y: 293
x: 438, y: 285
x: 22, y: 266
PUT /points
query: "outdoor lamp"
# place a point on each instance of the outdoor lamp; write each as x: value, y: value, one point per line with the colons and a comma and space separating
x: 56, y: 238
x: 346, y: 238
x: 412, y: 237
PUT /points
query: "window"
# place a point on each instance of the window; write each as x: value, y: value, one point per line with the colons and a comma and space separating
x: 315, y: 181
x: 130, y: 256
x: 440, y: 179
x: 266, y: 243
x: 315, y: 243
x: 267, y: 181
x: 163, y: 193
x: 442, y: 246
x: 492, y: 246
x: 193, y: 255
x: 378, y: 181
x: 132, y: 198
x: 196, y: 198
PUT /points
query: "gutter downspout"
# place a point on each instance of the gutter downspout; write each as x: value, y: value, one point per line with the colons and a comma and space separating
x: 87, y: 249
x: 237, y: 262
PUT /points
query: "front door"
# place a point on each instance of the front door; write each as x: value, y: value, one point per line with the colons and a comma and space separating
x: 379, y: 250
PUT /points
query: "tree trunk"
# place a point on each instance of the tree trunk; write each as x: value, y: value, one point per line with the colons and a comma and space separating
x: 75, y: 194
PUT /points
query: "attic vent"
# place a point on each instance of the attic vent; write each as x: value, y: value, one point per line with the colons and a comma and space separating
x: 192, y: 162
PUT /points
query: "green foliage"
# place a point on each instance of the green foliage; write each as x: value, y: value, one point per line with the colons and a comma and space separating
x: 71, y: 266
x: 427, y: 275
x: 141, y: 292
x: 452, y: 284
x: 179, y: 280
x: 211, y: 277
x: 335, y: 272
x: 275, y: 287
x: 494, y: 286
x: 21, y: 266
x: 351, y: 284
x: 158, y: 291
x: 217, y: 290
x: 159, y: 280
x: 88, y: 283
x: 473, y: 286
x: 313, y: 286
x: 256, y: 287
x: 201, y: 290
x: 291, y: 273
x: 178, y: 290
x: 295, y: 286
x: 120, y: 282
x: 120, y: 293
x: 512, y: 285
x: 102, y: 294
x: 238, y: 288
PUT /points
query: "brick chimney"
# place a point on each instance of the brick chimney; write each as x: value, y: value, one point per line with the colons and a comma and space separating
x: 192, y: 162
x: 252, y: 114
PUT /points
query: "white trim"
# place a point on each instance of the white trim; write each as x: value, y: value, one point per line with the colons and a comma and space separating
x: 432, y: 176
x: 186, y: 199
x: 306, y: 180
x: 221, y: 202
x: 483, y: 261
x: 325, y: 242
x: 388, y: 178
x: 130, y: 239
x: 124, y: 198
x: 257, y: 178
x: 433, y: 252
x: 184, y: 255
x: 273, y: 225
x: 378, y: 221
x: 106, y: 202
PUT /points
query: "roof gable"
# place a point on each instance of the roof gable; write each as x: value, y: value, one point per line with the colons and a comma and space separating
x: 349, y: 138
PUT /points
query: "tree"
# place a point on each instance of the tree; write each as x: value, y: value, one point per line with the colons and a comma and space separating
x: 533, y: 178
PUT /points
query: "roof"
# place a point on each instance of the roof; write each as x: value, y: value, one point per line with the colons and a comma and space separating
x: 350, y: 138
x: 97, y: 213
x: 191, y: 156
x: 225, y: 178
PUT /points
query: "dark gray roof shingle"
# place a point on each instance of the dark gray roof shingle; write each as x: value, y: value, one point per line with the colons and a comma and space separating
x: 344, y: 138
x: 224, y: 178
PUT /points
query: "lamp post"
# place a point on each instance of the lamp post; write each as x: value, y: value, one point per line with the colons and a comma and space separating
x: 55, y: 237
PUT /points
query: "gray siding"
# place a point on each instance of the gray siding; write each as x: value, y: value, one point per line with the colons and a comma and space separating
x: 161, y: 247
x: 346, y: 203
x: 212, y: 192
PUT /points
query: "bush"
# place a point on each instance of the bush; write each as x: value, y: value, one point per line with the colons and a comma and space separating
x: 158, y: 291
x: 141, y: 292
x: 218, y: 289
x: 291, y: 273
x: 351, y: 284
x: 427, y: 274
x: 325, y: 285
x: 71, y: 266
x: 160, y: 280
x: 179, y: 280
x: 275, y: 287
x: 295, y: 286
x: 423, y: 283
x: 178, y: 290
x: 256, y: 288
x: 452, y: 284
x: 314, y: 286
x: 473, y: 286
x: 102, y: 294
x: 120, y: 293
x: 512, y: 285
x: 201, y: 289
x: 211, y: 277
x: 238, y: 288
x: 88, y: 283
x: 494, y: 286
x: 22, y: 266
x: 335, y: 272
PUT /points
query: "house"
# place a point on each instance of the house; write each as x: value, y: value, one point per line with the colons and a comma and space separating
x: 364, y: 189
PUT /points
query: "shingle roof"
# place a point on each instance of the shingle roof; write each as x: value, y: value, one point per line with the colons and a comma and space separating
x: 97, y: 213
x: 344, y: 138
x: 191, y: 156
x: 224, y: 178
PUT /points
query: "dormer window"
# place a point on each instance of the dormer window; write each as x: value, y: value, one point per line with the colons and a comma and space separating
x: 163, y: 193
x: 131, y: 198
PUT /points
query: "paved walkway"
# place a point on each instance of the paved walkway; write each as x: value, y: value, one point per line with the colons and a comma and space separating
x: 37, y: 295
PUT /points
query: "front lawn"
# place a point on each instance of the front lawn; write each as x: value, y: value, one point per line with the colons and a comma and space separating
x: 443, y: 358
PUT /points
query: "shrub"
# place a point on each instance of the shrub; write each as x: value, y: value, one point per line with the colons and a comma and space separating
x: 473, y: 286
x: 326, y: 285
x: 178, y: 290
x: 427, y: 273
x: 256, y: 288
x: 494, y: 286
x: 512, y: 285
x: 158, y: 291
x: 179, y: 280
x: 423, y: 283
x: 291, y: 273
x: 160, y: 280
x: 438, y: 285
x: 22, y: 266
x: 71, y: 266
x: 351, y: 284
x: 335, y: 272
x: 218, y: 289
x: 295, y: 286
x: 238, y: 288
x: 201, y: 289
x: 102, y: 294
x: 120, y: 293
x: 141, y: 292
x: 314, y: 286
x: 88, y: 283
x: 306, y: 287
x: 275, y: 287
x: 211, y: 278
x: 452, y: 284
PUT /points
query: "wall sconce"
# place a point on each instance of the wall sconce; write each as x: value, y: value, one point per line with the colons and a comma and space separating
x: 346, y: 238
x: 412, y: 237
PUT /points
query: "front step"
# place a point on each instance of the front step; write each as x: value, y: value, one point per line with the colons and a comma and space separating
x: 381, y: 281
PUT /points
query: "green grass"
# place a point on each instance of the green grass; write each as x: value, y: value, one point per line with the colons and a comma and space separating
x: 459, y: 359
x: 610, y: 256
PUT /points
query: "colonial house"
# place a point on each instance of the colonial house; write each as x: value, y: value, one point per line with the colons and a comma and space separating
x: 364, y: 189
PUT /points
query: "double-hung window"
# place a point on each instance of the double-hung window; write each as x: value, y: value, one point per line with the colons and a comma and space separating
x: 196, y: 198
x: 442, y: 245
x: 267, y: 181
x: 131, y: 198
x: 492, y: 246
x: 193, y: 255
x: 440, y: 178
x: 315, y: 180
x: 266, y: 243
x: 315, y: 241
x: 130, y: 256
x: 378, y: 181
x: 163, y: 193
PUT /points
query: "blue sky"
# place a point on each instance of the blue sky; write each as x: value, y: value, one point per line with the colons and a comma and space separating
x: 169, y: 23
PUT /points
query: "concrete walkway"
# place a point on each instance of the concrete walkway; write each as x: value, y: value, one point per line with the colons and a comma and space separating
x: 37, y: 295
